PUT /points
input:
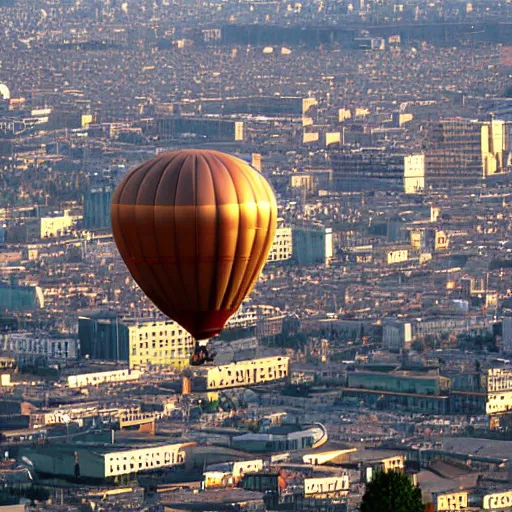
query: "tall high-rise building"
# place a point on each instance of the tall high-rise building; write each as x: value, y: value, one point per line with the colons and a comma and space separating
x: 464, y: 152
x: 312, y: 245
x: 103, y: 336
x: 97, y: 207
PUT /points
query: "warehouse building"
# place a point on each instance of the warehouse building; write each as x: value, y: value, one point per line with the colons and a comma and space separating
x: 100, y: 463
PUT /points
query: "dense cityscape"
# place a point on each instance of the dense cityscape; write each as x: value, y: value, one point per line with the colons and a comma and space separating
x: 378, y: 337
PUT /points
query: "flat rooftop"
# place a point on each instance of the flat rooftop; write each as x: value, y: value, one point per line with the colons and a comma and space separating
x: 212, y: 496
x: 104, y: 448
x: 476, y: 447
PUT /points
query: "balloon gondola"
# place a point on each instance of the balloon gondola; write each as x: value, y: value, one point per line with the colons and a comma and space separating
x: 194, y: 228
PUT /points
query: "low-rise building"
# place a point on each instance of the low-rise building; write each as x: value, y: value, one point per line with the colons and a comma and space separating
x: 422, y: 327
x: 401, y: 382
x: 397, y: 255
x: 400, y: 390
x: 457, y: 500
x: 56, y: 225
x: 327, y: 486
x: 229, y: 473
x: 242, y: 373
x: 94, y: 379
x: 103, y: 462
x: 22, y: 345
x: 282, y: 438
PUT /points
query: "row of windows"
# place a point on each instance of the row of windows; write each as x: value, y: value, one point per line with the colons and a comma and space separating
x: 168, y: 456
x: 251, y: 375
x: 149, y: 460
x: 179, y: 332
x: 500, y: 383
x: 163, y: 353
x: 166, y: 343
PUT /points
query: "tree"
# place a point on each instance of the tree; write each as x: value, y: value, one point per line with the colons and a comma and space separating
x: 390, y: 491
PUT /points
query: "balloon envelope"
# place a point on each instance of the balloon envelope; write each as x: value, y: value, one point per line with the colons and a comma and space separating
x: 194, y: 229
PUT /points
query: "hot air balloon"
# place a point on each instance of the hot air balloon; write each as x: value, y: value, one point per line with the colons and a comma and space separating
x: 194, y: 229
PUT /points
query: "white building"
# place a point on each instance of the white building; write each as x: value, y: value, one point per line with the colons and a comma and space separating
x: 414, y: 174
x: 229, y: 473
x: 282, y: 247
x: 57, y: 225
x: 93, y: 379
x: 242, y: 373
x: 28, y: 344
x: 499, y: 390
x: 98, y: 463
x: 397, y: 256
x: 327, y: 486
x: 126, y: 462
x: 245, y: 317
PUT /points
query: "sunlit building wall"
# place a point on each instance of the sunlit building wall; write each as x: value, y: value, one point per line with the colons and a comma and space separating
x: 452, y: 501
x: 242, y: 373
x: 282, y: 246
x: 161, y: 343
x: 56, y: 226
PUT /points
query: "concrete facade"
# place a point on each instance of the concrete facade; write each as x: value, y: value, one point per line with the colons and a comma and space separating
x: 242, y: 373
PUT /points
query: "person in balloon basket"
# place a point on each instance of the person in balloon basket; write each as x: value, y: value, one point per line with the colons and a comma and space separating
x: 201, y: 354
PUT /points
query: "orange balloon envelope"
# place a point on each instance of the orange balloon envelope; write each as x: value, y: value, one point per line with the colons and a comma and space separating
x: 195, y: 228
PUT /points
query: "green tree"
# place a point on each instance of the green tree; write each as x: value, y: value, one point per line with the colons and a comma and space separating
x: 390, y: 491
